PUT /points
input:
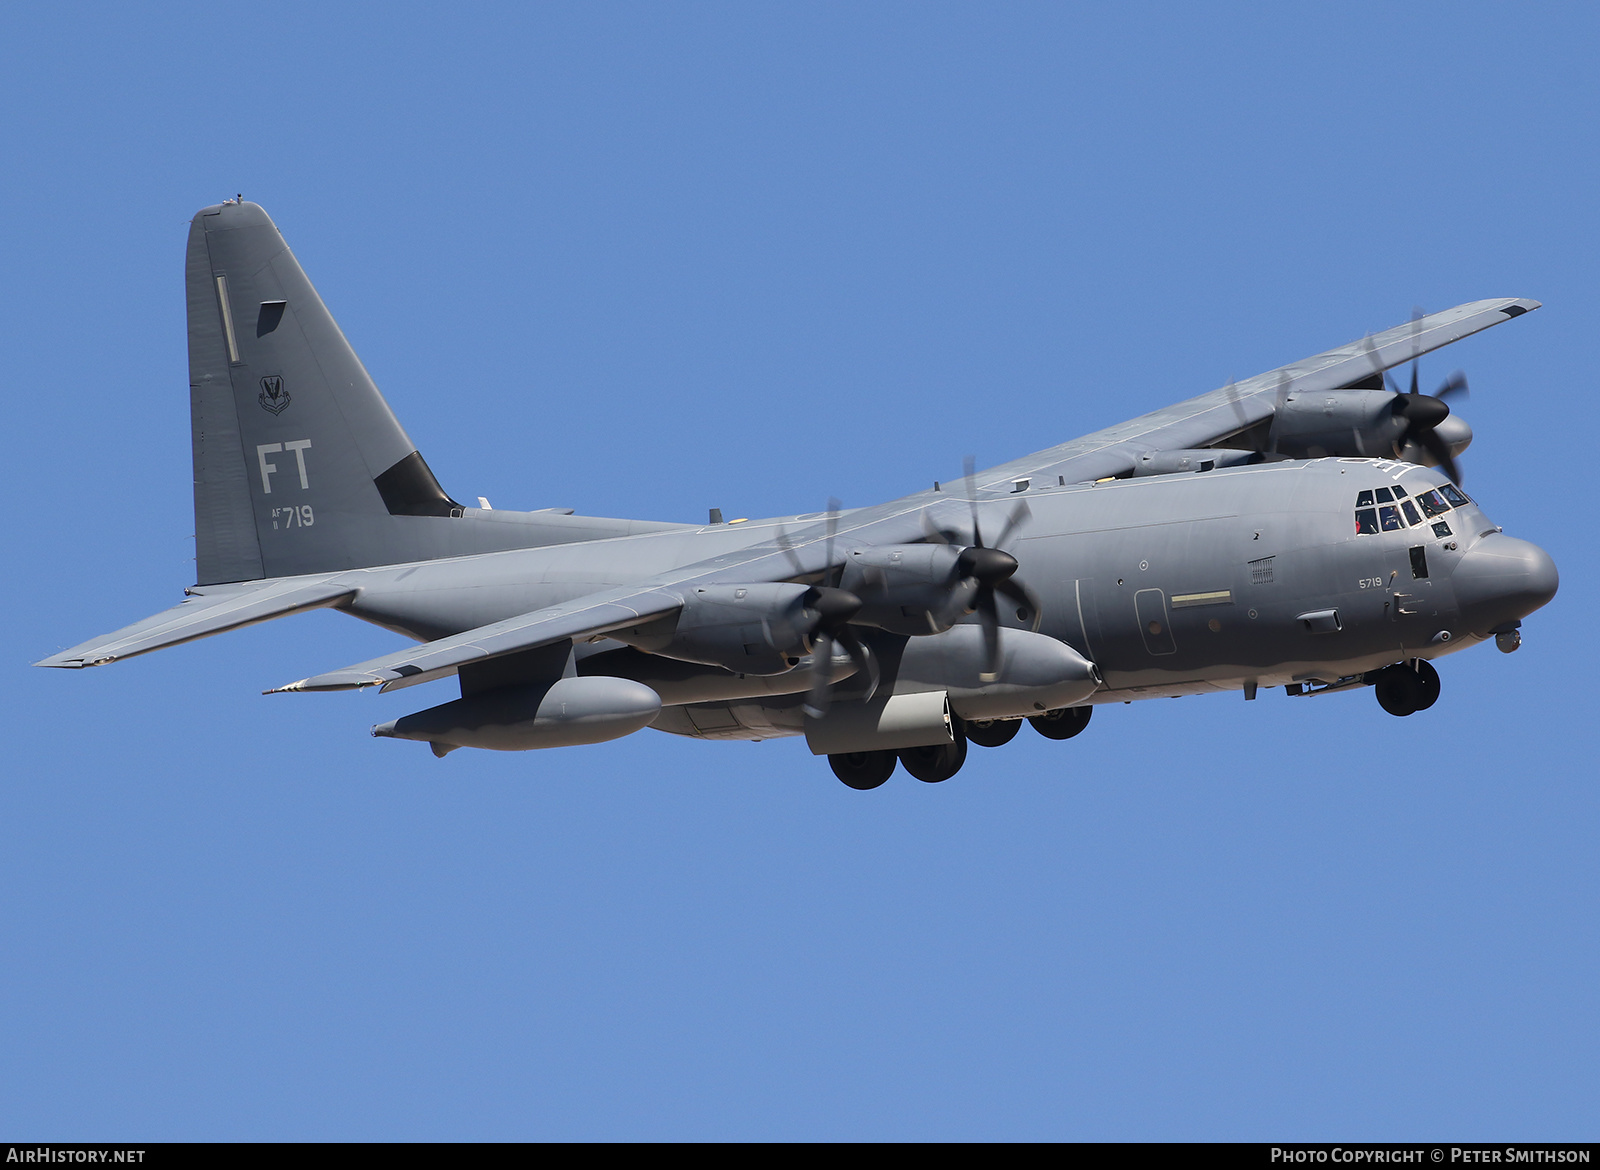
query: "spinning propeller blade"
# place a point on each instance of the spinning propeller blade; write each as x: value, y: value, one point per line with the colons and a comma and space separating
x: 1423, y: 412
x: 834, y: 608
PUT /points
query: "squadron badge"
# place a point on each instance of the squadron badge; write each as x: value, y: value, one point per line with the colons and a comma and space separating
x: 273, y: 397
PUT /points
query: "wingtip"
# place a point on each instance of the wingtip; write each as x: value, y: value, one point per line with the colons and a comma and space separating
x: 337, y: 681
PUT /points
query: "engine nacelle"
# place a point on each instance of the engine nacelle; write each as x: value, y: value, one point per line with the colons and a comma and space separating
x: 1338, y: 422
x: 908, y: 588
x: 749, y: 629
x: 568, y: 712
x: 1037, y: 673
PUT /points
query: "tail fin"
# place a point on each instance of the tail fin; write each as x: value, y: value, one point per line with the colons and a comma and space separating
x: 299, y: 464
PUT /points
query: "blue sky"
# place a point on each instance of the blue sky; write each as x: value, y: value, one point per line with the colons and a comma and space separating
x: 646, y: 260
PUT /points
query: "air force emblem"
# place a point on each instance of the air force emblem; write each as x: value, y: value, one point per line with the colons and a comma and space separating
x: 273, y: 397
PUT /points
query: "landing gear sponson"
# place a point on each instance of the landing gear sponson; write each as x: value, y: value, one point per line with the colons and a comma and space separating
x: 932, y: 765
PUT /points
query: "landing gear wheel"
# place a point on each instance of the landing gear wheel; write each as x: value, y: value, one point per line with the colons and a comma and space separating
x: 934, y: 764
x: 1429, y: 678
x: 1402, y: 691
x: 863, y: 770
x: 992, y: 732
x: 1062, y: 723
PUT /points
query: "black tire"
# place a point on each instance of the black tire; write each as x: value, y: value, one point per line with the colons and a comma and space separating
x: 933, y: 765
x: 992, y: 733
x: 1062, y: 723
x: 1429, y: 678
x: 1400, y: 690
x: 863, y: 770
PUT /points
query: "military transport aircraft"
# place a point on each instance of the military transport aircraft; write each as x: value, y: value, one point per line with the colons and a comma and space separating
x: 1306, y: 529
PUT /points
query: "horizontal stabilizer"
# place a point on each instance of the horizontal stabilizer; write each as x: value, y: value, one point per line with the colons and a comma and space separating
x: 212, y: 610
x: 596, y: 613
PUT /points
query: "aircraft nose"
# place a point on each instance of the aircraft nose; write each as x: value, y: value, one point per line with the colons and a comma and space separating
x: 1501, y: 579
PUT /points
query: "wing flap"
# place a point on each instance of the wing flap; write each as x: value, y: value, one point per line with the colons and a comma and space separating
x: 213, y: 610
x: 596, y: 613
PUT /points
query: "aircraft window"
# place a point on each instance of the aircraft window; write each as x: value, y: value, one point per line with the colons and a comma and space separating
x: 1433, y: 503
x: 1454, y: 494
x: 1399, y: 492
x: 1383, y: 496
x: 1390, y: 515
x: 1419, y: 562
x: 1364, y: 499
x: 1366, y: 521
x: 1411, y: 512
x: 1440, y: 528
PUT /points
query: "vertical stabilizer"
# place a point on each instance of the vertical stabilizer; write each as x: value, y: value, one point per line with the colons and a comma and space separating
x: 299, y: 464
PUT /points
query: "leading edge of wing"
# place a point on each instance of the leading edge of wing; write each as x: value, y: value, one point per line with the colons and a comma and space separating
x: 595, y: 613
x: 1219, y: 413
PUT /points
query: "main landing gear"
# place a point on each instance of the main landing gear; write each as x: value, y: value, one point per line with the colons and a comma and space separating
x: 932, y: 765
x: 1062, y: 723
x: 1407, y: 687
x: 993, y: 732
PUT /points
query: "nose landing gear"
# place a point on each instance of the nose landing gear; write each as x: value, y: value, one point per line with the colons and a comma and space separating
x: 1407, y: 687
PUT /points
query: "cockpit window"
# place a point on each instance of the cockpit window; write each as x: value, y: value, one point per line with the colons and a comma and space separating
x: 1454, y: 494
x: 1366, y: 521
x: 1440, y: 528
x: 1390, y: 516
x: 1384, y: 495
x: 1411, y: 512
x: 1433, y: 503
x: 1364, y: 499
x: 1399, y: 492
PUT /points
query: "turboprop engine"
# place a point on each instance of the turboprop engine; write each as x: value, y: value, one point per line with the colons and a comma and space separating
x: 759, y: 629
x: 909, y: 588
x: 1373, y: 418
x: 565, y: 713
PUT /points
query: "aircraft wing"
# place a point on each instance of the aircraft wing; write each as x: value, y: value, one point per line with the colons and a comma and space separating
x: 595, y: 613
x: 212, y: 609
x: 1205, y: 420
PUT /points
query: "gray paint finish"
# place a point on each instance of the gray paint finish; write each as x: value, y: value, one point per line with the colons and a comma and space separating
x: 1177, y: 553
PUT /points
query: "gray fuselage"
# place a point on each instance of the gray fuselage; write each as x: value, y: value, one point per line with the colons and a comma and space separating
x: 1172, y: 585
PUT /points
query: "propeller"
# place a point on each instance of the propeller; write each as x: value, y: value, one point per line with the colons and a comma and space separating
x: 1264, y: 443
x: 991, y: 571
x: 1423, y: 412
x: 834, y: 608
